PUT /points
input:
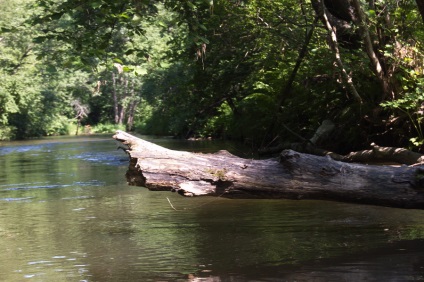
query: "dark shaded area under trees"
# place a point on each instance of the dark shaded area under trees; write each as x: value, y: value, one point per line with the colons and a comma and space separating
x: 268, y: 73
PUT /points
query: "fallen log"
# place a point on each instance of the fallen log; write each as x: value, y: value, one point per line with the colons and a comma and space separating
x: 291, y: 176
x: 375, y: 154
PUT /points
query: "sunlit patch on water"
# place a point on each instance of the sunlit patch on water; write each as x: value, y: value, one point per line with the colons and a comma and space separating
x: 48, y: 262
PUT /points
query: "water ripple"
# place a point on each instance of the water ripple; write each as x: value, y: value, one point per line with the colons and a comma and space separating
x: 18, y: 149
x: 25, y: 199
x: 29, y: 186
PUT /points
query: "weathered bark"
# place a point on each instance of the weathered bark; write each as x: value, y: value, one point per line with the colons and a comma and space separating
x: 386, y: 154
x: 293, y: 176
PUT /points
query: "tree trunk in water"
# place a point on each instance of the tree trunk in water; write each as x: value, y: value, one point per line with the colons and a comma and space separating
x: 292, y: 176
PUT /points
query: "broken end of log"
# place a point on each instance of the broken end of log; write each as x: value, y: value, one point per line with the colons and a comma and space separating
x: 136, y: 144
x: 126, y: 140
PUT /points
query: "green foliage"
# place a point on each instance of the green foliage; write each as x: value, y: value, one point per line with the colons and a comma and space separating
x: 251, y: 121
x: 411, y: 104
x: 60, y: 125
x: 106, y: 128
x: 7, y: 133
x: 221, y: 124
x: 206, y: 68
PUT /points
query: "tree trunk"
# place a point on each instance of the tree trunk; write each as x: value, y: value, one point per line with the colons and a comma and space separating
x: 302, y: 53
x: 123, y: 106
x: 292, y: 176
x: 420, y: 4
x: 286, y: 90
x: 115, y: 99
x: 382, y: 75
x: 131, y: 107
x: 340, y: 15
x: 131, y: 113
x: 78, y: 126
x: 347, y: 78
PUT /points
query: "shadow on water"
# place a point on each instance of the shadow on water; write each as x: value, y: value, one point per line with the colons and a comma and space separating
x: 397, y: 261
x: 66, y: 213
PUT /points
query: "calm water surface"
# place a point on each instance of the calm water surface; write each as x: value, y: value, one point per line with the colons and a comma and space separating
x: 66, y: 214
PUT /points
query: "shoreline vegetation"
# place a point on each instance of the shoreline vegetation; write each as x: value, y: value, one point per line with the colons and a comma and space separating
x: 265, y: 73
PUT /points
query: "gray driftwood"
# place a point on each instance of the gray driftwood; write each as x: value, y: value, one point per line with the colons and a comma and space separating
x: 293, y: 176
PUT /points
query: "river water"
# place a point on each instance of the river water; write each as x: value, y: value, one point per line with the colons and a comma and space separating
x: 67, y: 214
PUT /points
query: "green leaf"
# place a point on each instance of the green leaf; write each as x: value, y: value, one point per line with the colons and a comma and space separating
x: 191, y: 5
x: 371, y: 13
x: 162, y: 24
x: 124, y: 16
x: 119, y: 61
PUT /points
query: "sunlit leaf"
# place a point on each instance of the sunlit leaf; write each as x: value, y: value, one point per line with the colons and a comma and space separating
x: 161, y: 23
x: 117, y: 60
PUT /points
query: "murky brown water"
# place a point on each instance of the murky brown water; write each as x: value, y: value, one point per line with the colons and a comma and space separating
x: 66, y: 214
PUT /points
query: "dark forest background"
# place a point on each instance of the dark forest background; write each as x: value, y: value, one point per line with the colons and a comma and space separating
x: 260, y: 71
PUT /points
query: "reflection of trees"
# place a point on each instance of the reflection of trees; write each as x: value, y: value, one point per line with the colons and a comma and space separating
x: 399, y: 261
x: 257, y: 237
x: 126, y: 233
x: 138, y: 237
